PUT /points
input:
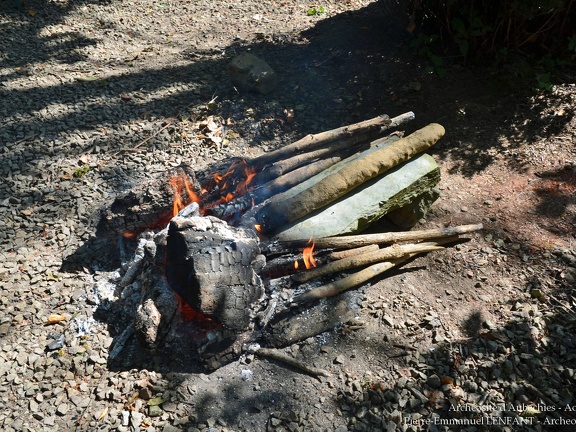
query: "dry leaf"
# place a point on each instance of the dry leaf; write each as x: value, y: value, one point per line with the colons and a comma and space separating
x: 55, y: 318
x: 446, y: 380
x: 102, y: 414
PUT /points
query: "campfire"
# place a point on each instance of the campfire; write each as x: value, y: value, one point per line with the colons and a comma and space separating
x: 259, y: 254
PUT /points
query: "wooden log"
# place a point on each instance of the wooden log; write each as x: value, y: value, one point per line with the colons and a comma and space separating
x: 148, y: 205
x: 365, y: 130
x: 276, y: 214
x: 355, y: 211
x: 213, y: 268
x: 341, y: 285
x: 390, y: 253
x: 352, y: 252
x: 341, y: 147
x: 346, y: 242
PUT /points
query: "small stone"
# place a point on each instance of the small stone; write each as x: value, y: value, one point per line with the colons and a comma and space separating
x: 252, y: 73
x: 155, y: 411
x: 145, y: 393
x: 62, y: 409
x: 434, y: 381
x: 388, y: 320
x: 339, y: 360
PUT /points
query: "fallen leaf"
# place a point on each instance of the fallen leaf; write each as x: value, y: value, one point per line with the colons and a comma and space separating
x: 55, y: 318
x: 102, y: 414
x: 156, y: 401
x: 446, y: 380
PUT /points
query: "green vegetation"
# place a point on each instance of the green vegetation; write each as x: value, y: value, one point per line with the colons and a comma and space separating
x: 481, y: 29
x: 497, y: 32
x: 81, y: 171
x: 316, y: 10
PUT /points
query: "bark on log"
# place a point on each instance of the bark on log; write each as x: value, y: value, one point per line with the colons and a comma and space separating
x: 341, y: 285
x: 346, y: 242
x: 392, y: 252
x: 277, y: 214
x: 338, y: 255
x: 362, y: 131
x: 343, y: 147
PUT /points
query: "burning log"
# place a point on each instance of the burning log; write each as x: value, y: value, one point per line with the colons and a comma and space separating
x: 278, y: 213
x: 214, y: 267
x: 150, y: 205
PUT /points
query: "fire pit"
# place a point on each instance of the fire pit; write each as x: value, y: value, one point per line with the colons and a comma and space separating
x: 257, y: 254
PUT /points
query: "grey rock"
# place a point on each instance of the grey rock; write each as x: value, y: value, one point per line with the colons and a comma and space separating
x: 434, y: 381
x: 251, y: 73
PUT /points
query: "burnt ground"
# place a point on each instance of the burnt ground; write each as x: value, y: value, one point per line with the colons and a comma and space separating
x: 98, y: 96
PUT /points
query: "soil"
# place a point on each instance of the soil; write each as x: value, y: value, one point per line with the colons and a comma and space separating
x: 131, y: 88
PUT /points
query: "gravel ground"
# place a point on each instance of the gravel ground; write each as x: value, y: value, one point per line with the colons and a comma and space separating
x: 96, y: 97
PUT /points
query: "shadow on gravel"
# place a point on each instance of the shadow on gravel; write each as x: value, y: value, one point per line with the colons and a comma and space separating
x: 518, y: 376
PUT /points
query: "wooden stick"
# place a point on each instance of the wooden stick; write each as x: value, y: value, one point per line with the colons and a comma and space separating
x: 280, y: 356
x: 368, y: 129
x: 348, y: 282
x: 278, y: 213
x: 352, y: 252
x: 390, y: 253
x: 345, y: 242
x: 341, y: 148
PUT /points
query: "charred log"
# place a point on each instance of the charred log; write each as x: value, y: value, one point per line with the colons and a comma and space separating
x: 213, y: 267
x: 149, y: 205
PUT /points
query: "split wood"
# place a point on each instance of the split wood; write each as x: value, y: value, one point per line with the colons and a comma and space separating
x: 280, y: 212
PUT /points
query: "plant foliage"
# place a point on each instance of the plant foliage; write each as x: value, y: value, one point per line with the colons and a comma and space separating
x: 478, y: 30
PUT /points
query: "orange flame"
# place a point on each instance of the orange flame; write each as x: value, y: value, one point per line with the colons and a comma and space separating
x: 258, y: 227
x: 178, y: 183
x: 309, y: 260
x: 235, y: 181
x: 307, y: 256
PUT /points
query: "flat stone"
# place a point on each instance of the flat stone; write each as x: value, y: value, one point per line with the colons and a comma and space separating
x: 355, y: 211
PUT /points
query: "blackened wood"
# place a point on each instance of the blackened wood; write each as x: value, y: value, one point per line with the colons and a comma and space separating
x: 297, y: 325
x: 213, y: 267
x: 278, y: 213
x: 146, y: 206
